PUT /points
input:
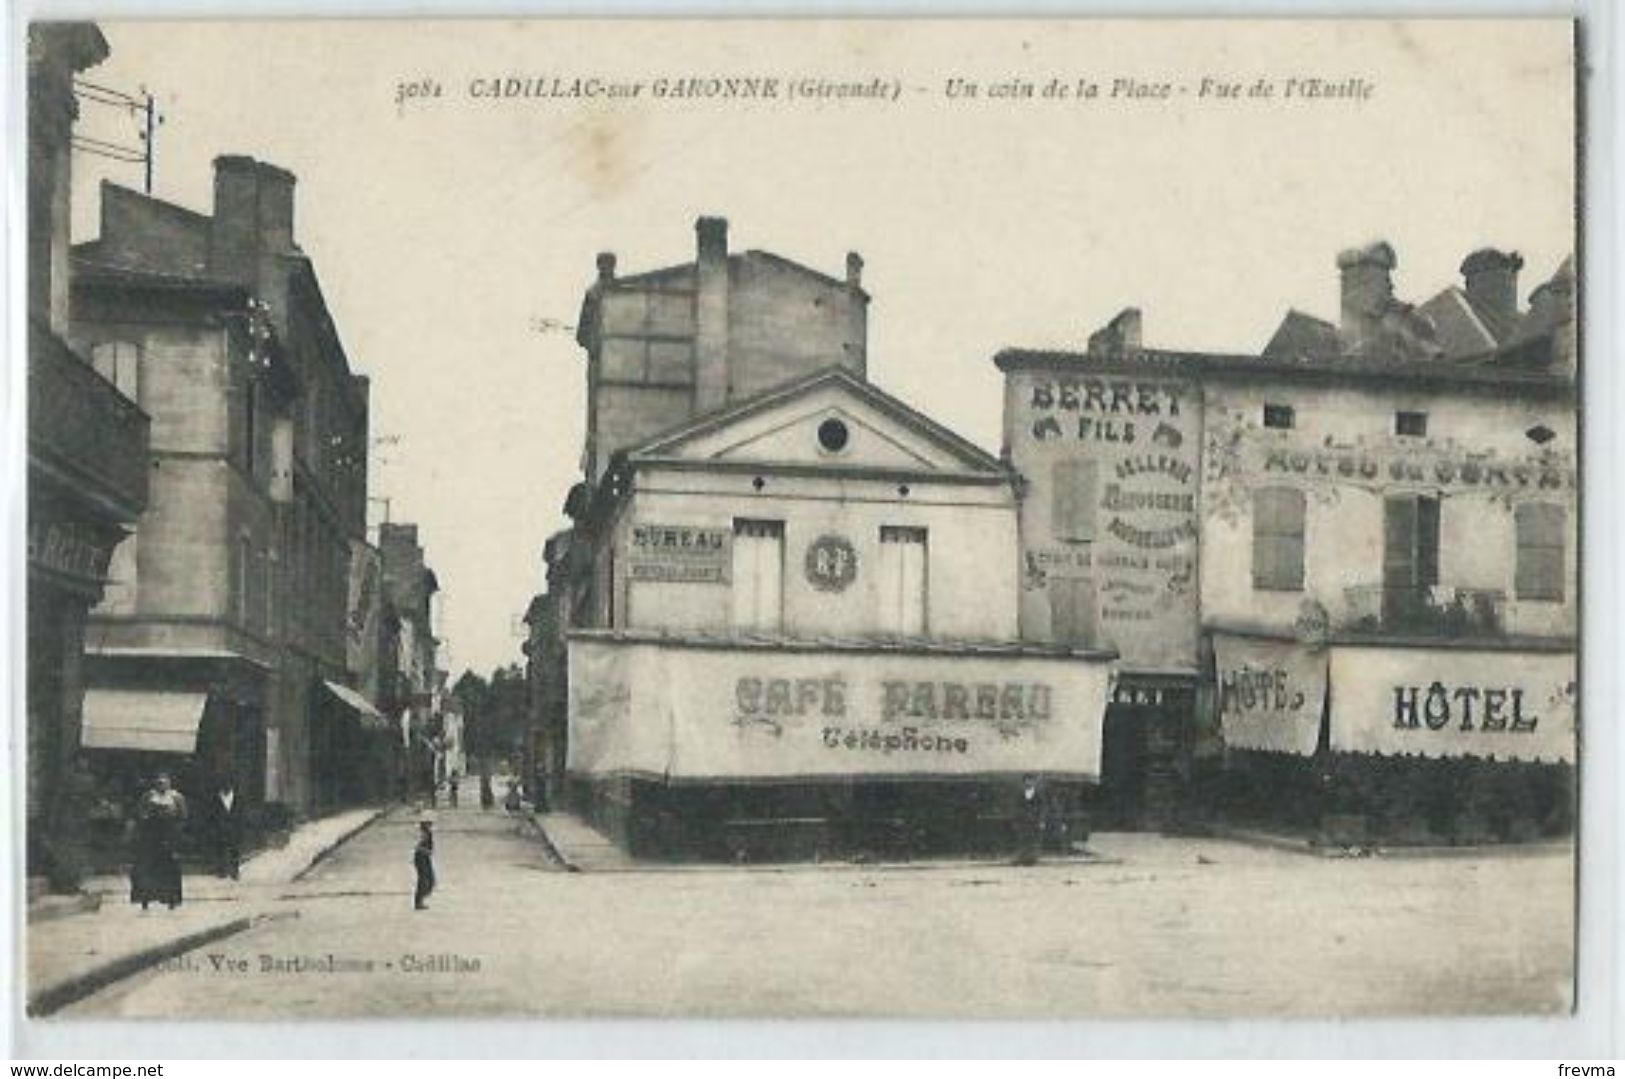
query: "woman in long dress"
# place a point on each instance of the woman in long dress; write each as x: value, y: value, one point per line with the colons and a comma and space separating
x: 155, y: 875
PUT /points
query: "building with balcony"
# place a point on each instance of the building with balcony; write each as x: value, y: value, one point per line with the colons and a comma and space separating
x: 224, y: 650
x: 87, y: 470
x: 1361, y: 548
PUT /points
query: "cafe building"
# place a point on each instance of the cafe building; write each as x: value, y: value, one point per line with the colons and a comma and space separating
x: 800, y: 637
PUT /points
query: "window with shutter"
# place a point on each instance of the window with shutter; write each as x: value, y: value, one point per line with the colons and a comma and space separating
x: 1072, y: 610
x: 1410, y: 555
x: 902, y: 581
x: 1540, y: 570
x: 758, y: 575
x: 1278, y: 515
x: 1076, y: 494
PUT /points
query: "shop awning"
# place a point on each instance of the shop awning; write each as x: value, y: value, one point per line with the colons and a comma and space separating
x: 371, y: 718
x: 150, y: 720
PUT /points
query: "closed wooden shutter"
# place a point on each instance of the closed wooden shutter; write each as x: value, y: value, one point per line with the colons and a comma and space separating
x: 1278, y: 516
x: 1072, y: 610
x: 1075, y: 494
x: 758, y: 576
x: 902, y: 581
x: 1540, y: 570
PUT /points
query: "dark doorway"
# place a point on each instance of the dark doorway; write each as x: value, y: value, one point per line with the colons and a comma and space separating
x: 1120, y: 801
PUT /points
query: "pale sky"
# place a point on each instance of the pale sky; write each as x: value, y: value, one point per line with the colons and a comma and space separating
x: 454, y: 237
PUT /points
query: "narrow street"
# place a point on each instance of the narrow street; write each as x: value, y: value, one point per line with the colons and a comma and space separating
x: 1158, y: 926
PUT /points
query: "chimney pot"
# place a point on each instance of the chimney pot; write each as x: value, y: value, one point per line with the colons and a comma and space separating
x: 606, y: 266
x: 1367, y: 293
x: 1491, y: 280
x: 1119, y: 336
x: 854, y: 269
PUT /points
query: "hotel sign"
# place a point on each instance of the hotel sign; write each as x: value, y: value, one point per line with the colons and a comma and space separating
x: 692, y: 554
x: 1447, y: 702
x: 1272, y: 694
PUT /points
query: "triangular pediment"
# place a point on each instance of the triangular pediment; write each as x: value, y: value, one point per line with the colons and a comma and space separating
x: 832, y: 420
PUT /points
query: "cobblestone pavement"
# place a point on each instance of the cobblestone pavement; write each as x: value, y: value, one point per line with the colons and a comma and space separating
x: 1158, y: 927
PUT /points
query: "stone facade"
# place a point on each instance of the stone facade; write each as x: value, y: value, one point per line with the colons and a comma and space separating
x: 87, y: 470
x: 665, y: 345
x: 1402, y: 483
x: 238, y: 583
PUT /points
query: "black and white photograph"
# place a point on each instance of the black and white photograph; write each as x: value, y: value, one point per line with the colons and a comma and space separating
x: 1064, y: 519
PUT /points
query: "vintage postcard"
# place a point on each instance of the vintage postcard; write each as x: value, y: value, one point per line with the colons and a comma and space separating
x: 988, y: 519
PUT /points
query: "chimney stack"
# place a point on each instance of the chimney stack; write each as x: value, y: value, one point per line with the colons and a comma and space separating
x: 854, y: 270
x: 712, y: 236
x: 1491, y: 279
x: 1368, y: 292
x: 606, y: 267
x: 253, y: 217
x: 711, y: 313
x: 1119, y: 336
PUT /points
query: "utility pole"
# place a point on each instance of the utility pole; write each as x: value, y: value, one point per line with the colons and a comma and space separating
x: 148, y: 140
x: 142, y: 103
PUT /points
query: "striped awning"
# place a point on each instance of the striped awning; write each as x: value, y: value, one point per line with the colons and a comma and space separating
x: 154, y: 721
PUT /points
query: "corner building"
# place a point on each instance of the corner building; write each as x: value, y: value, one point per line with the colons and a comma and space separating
x: 1379, y: 614
x: 788, y: 600
x: 808, y: 643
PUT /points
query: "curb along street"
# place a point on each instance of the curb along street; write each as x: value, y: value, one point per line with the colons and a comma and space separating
x: 77, y: 987
x: 63, y: 991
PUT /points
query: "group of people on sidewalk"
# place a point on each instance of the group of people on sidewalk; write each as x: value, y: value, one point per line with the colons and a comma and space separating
x: 161, y: 818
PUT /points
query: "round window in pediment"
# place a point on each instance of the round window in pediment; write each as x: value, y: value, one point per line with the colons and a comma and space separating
x: 833, y: 435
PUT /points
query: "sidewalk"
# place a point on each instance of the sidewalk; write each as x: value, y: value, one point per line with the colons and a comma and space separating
x: 581, y: 847
x: 73, y: 956
x: 584, y: 849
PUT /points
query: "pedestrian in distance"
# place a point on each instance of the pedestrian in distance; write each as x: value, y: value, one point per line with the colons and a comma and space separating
x: 227, y: 830
x: 155, y: 870
x: 1031, y: 822
x: 488, y: 797
x: 423, y: 862
x: 451, y: 787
